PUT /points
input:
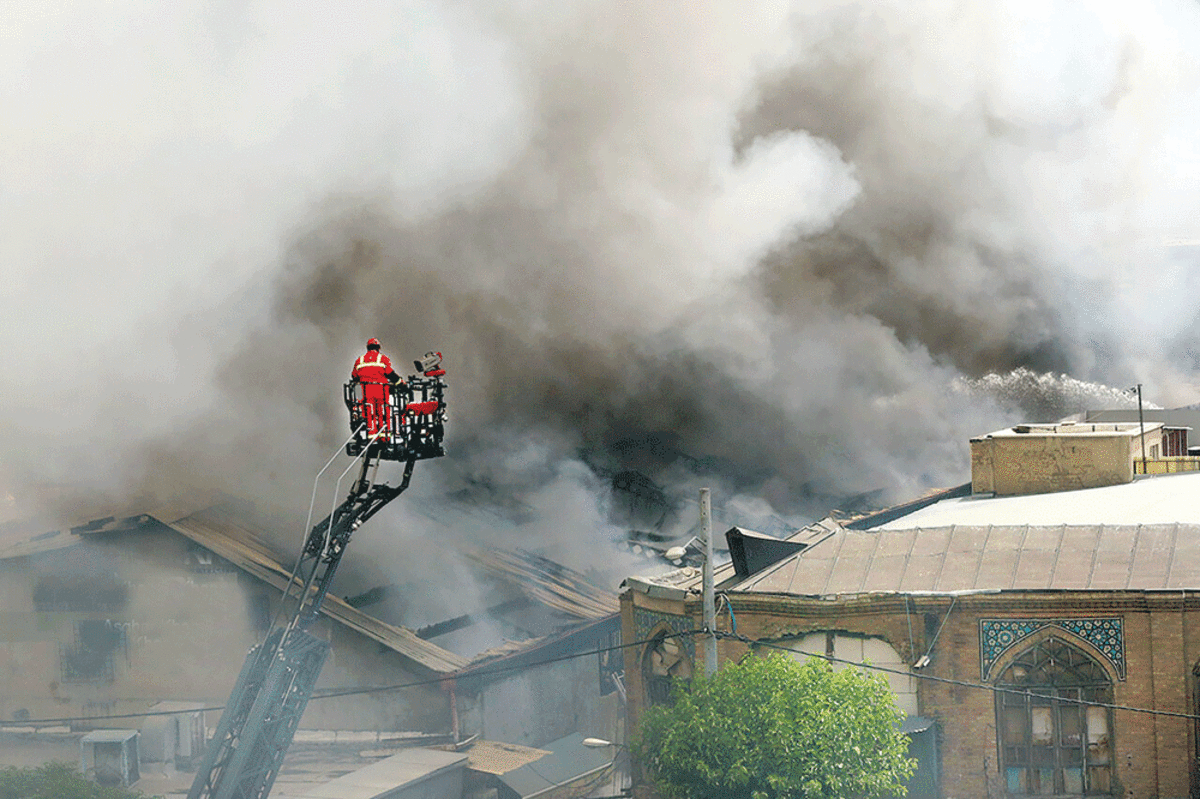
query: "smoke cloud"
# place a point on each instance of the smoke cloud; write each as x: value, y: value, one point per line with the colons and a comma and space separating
x: 776, y: 249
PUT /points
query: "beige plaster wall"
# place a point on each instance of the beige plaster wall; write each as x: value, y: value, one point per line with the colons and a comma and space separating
x: 1034, y: 464
x: 187, y: 629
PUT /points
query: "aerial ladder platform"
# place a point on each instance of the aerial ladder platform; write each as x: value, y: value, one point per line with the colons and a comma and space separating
x: 277, y: 679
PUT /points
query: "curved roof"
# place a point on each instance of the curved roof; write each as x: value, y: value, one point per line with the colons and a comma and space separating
x: 1141, y: 557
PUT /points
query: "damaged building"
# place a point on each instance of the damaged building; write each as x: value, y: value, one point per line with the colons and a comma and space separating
x: 118, y: 614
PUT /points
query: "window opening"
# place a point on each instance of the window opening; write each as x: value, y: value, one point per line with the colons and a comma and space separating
x: 664, y: 662
x: 90, y: 658
x: 1050, y: 745
x: 88, y: 593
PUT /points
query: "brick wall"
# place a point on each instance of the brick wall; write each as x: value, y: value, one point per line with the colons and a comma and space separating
x: 1154, y: 754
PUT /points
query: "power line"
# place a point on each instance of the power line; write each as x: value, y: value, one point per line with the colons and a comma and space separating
x: 995, y: 689
x: 334, y: 693
x: 504, y: 669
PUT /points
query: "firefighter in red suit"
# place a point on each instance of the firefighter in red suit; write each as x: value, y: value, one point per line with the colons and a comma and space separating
x: 374, y: 371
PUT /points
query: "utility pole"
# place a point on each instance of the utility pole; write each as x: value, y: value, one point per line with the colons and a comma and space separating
x: 710, y: 612
x: 1141, y: 428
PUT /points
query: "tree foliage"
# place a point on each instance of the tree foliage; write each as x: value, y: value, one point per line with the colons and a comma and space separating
x: 55, y: 781
x: 771, y: 727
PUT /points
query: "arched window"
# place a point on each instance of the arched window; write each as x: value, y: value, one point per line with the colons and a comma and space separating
x: 664, y: 661
x: 1051, y: 743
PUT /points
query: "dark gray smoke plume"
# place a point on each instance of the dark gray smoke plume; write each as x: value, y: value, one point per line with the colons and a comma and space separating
x: 773, y: 248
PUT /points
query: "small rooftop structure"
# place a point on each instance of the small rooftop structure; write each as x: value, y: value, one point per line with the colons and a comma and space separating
x: 172, y: 733
x: 751, y: 551
x: 1038, y: 458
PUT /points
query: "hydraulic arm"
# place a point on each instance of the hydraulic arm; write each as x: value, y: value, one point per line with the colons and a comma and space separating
x: 277, y: 679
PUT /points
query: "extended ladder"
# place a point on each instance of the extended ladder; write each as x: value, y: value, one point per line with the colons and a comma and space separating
x: 278, y: 677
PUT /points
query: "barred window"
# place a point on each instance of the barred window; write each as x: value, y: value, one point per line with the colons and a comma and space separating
x: 1051, y: 741
x: 90, y: 658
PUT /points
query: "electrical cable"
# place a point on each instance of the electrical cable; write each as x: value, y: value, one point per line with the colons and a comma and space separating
x: 765, y: 643
x: 996, y: 689
x: 334, y: 693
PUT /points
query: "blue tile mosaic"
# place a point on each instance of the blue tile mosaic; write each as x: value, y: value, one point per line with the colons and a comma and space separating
x: 997, y: 636
x: 646, y: 622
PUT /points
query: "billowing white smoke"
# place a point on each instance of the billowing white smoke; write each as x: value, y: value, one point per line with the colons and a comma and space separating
x: 775, y: 236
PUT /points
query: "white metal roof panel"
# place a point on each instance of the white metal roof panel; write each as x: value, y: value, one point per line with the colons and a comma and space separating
x: 1157, y: 499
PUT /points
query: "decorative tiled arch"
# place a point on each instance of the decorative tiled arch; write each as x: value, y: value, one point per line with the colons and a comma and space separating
x: 997, y: 636
x: 646, y: 622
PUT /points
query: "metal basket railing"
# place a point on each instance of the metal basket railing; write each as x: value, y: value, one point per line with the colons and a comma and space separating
x: 410, y: 418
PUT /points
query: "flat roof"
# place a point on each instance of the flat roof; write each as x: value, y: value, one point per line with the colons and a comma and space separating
x: 567, y: 760
x: 1089, y: 429
x: 410, y: 767
x: 1154, y: 499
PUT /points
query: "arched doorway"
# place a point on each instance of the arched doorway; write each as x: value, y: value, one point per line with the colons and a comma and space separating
x: 1051, y: 742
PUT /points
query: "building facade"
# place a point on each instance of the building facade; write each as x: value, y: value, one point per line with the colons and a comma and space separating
x: 1055, y: 656
x: 122, y: 614
x: 114, y: 618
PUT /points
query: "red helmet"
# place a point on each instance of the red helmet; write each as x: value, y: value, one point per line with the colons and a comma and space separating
x: 372, y: 342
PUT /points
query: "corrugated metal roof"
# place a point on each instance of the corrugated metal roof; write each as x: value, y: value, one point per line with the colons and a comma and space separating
x: 688, y: 578
x: 505, y: 649
x: 548, y: 582
x: 25, y: 537
x: 245, y: 547
x: 511, y: 653
x: 1143, y: 557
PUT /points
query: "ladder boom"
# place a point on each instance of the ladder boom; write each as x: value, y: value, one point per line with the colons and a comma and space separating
x: 278, y: 677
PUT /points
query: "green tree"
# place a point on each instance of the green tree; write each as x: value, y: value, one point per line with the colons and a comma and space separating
x: 55, y: 781
x: 771, y: 727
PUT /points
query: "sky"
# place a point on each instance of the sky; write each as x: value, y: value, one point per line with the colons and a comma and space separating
x: 798, y: 252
